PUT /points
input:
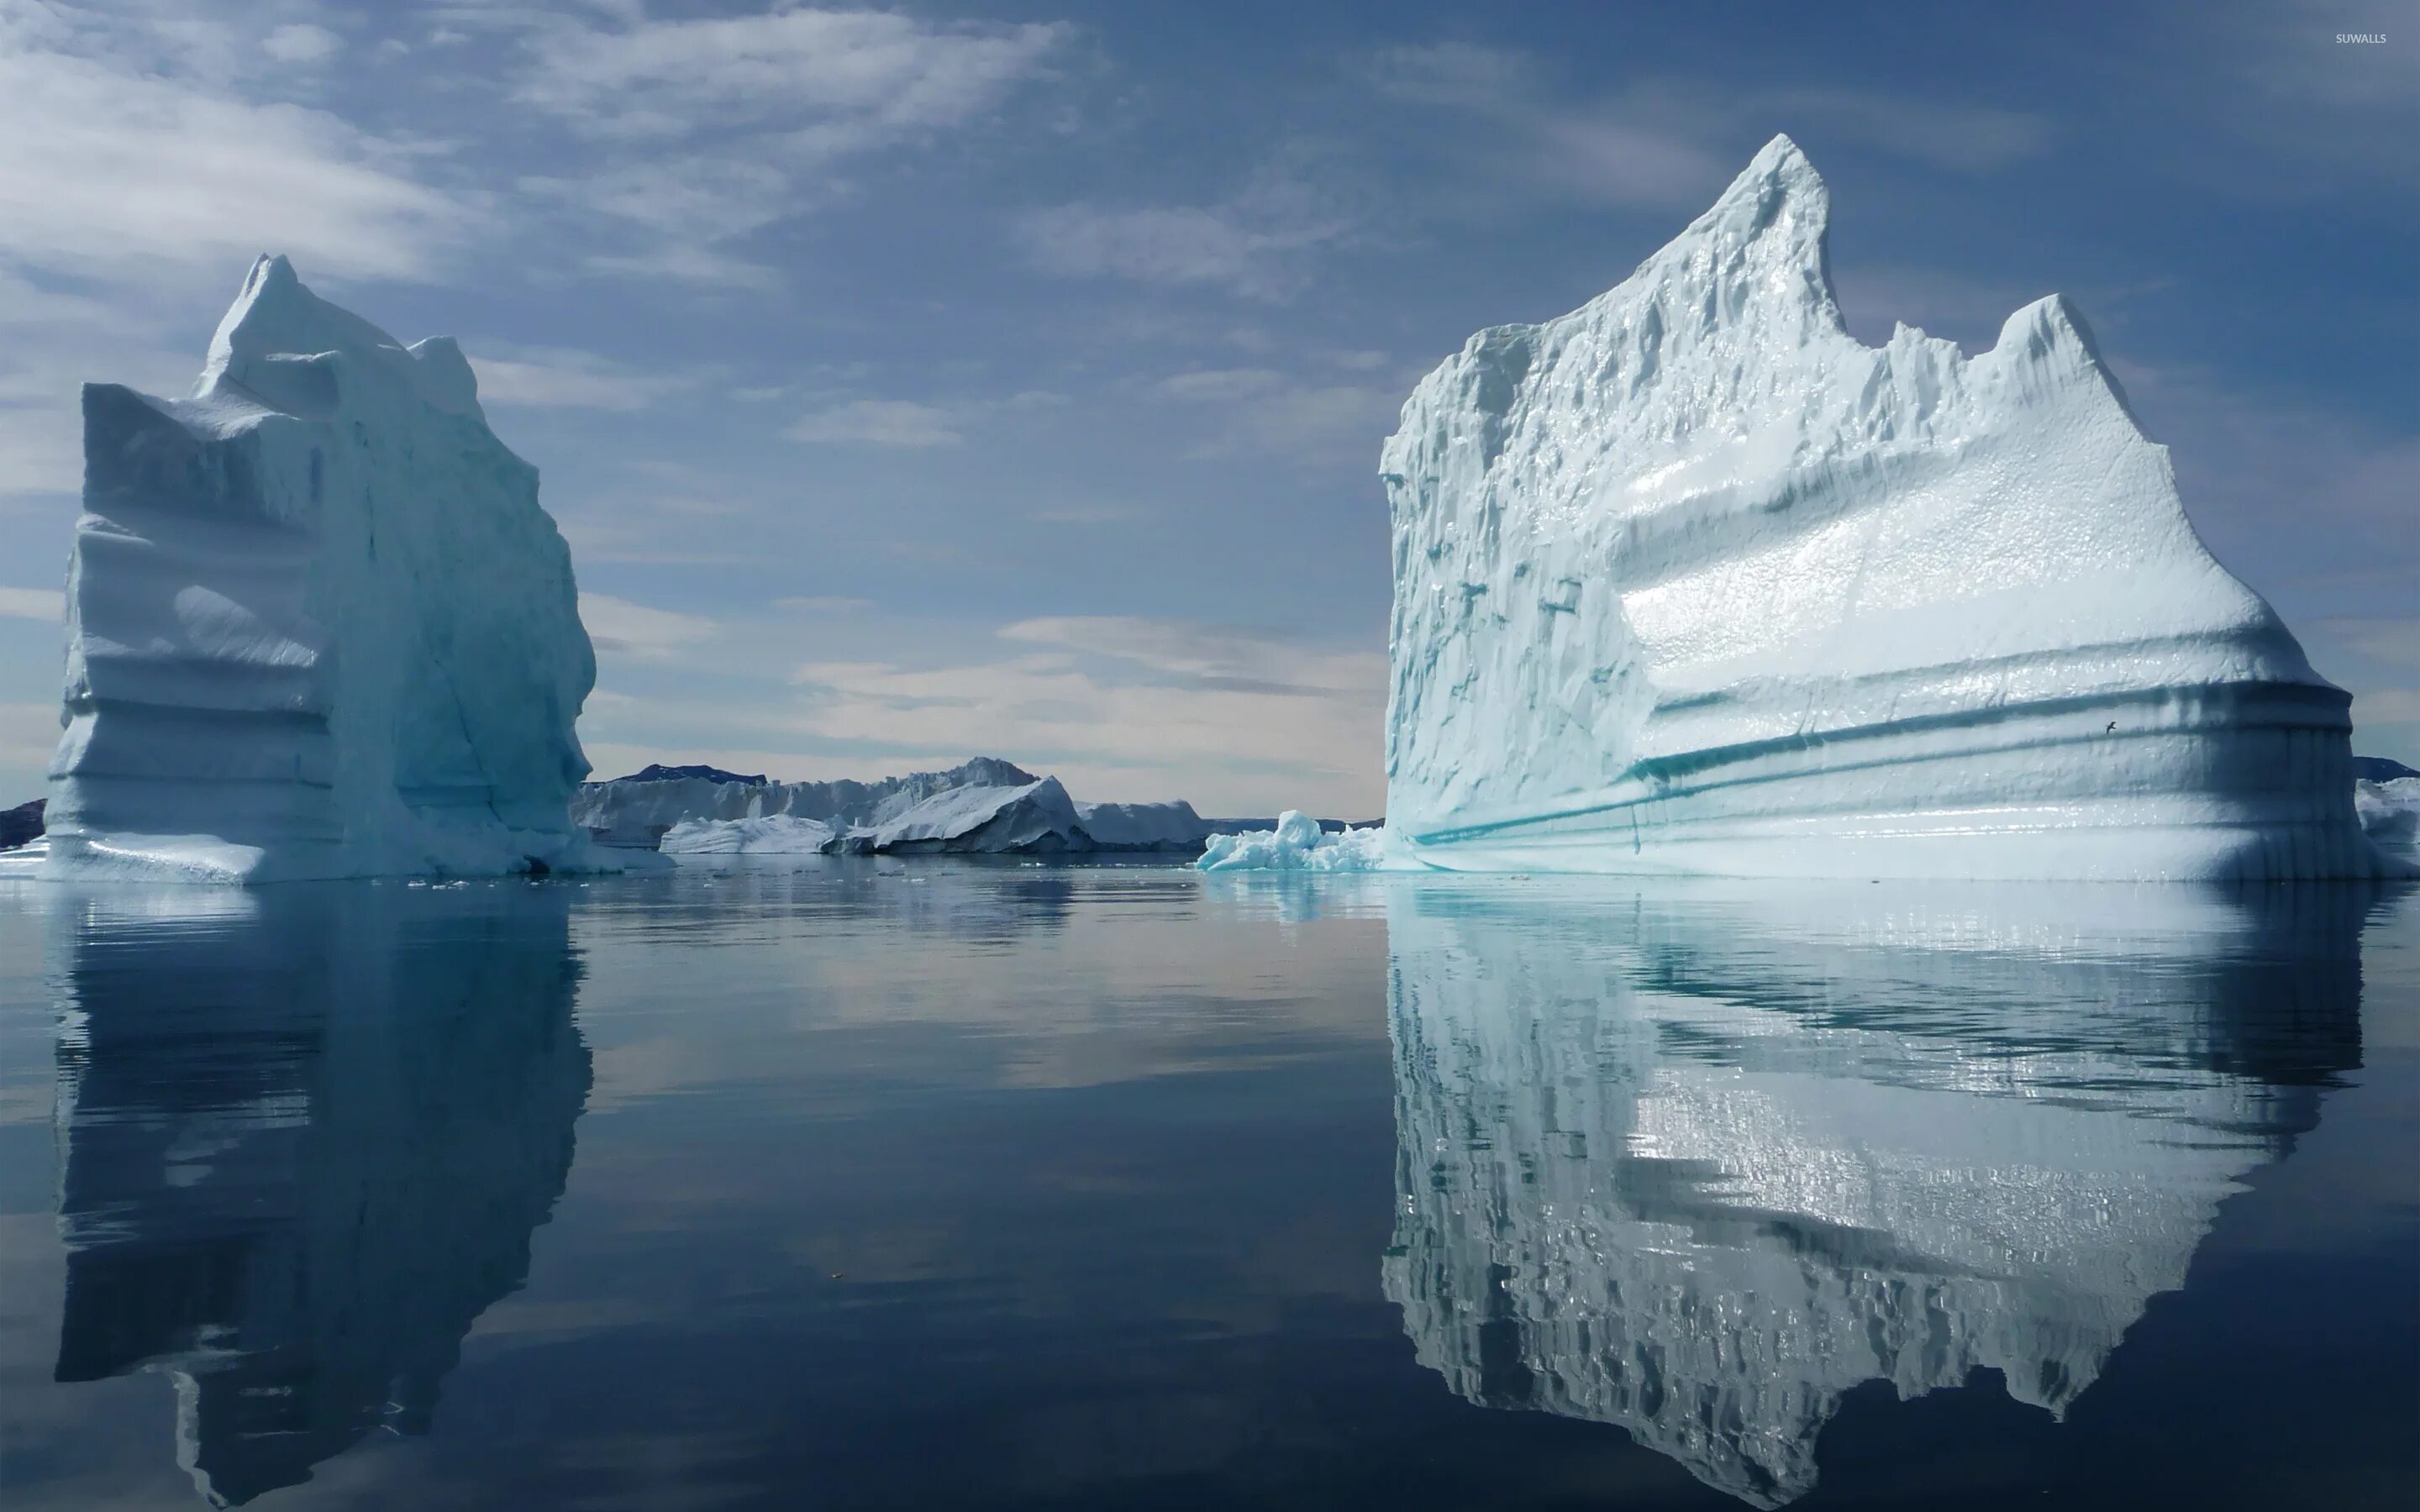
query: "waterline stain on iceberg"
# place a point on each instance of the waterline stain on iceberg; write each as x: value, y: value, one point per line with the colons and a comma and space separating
x: 318, y: 624
x: 1690, y: 579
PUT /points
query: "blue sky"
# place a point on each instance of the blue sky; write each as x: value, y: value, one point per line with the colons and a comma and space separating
x: 959, y: 379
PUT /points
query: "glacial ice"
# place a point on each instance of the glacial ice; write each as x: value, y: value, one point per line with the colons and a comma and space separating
x: 638, y: 810
x: 777, y: 834
x: 2390, y: 815
x: 985, y: 806
x: 1297, y: 844
x: 1690, y: 579
x: 318, y: 624
x: 1143, y: 826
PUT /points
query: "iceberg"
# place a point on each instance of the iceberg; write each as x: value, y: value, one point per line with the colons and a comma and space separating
x: 1144, y: 827
x: 770, y: 835
x: 318, y: 624
x: 1689, y: 579
x: 1297, y: 844
x: 985, y: 805
x: 1031, y: 817
x: 2390, y: 815
x: 640, y: 809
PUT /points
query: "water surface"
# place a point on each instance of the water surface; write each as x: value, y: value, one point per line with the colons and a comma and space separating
x: 863, y: 1183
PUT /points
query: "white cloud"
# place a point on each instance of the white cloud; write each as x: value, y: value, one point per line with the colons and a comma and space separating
x: 836, y: 80
x: 878, y: 423
x: 747, y: 117
x: 1658, y: 143
x: 823, y: 604
x: 301, y: 43
x: 2385, y: 705
x: 1200, y: 655
x: 1252, y: 245
x: 2386, y: 637
x: 1133, y: 708
x: 565, y: 378
x: 1221, y: 385
x: 48, y: 604
x: 137, y: 171
x: 619, y: 625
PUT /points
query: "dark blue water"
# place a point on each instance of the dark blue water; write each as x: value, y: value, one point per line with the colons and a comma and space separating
x: 867, y: 1184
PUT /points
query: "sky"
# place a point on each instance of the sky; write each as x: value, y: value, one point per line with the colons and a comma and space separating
x: 953, y: 379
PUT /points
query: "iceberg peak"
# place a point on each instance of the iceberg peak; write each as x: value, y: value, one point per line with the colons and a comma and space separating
x: 317, y: 622
x: 1691, y: 579
x: 284, y: 348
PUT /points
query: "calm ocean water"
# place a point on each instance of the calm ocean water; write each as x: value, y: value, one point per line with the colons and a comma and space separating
x: 858, y: 1183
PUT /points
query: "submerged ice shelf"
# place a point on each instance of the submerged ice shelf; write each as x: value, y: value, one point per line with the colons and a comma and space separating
x: 1689, y: 579
x: 318, y: 624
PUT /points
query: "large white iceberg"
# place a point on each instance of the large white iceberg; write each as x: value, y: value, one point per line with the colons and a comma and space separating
x: 318, y: 624
x: 1691, y: 580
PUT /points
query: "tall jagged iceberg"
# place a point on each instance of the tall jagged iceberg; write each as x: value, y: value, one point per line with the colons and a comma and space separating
x: 318, y: 624
x: 1691, y: 580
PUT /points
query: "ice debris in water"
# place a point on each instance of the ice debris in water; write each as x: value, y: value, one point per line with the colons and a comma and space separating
x: 1297, y: 844
x: 1691, y: 580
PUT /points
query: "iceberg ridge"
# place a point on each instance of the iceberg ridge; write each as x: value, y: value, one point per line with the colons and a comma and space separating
x: 318, y: 624
x: 1690, y: 579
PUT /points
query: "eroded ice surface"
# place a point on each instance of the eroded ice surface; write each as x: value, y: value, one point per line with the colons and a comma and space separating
x: 318, y: 624
x: 2390, y: 815
x: 770, y: 835
x: 1297, y: 844
x: 985, y: 806
x: 638, y: 810
x: 1691, y: 580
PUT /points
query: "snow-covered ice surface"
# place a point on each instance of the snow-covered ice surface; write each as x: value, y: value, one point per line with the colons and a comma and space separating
x: 636, y: 811
x: 1297, y: 844
x: 771, y: 835
x: 1690, y: 579
x: 982, y: 806
x: 1033, y: 817
x: 2390, y: 815
x: 318, y: 624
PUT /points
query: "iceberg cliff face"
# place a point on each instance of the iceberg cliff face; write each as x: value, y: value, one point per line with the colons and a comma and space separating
x: 318, y: 625
x: 1691, y: 580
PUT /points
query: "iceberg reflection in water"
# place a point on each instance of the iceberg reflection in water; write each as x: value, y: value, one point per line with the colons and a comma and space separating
x: 304, y: 1135
x: 1696, y: 1162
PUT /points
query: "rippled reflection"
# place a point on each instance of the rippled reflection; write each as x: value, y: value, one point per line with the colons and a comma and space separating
x: 305, y: 1133
x: 1696, y: 1165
